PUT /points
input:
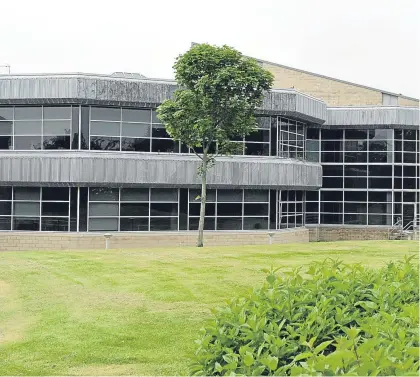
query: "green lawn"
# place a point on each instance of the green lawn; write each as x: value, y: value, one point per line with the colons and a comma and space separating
x: 136, y: 312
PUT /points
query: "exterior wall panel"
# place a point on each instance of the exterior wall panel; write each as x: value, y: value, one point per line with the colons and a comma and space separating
x: 122, y: 169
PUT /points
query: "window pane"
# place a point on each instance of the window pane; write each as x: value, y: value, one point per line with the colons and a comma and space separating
x: 103, y: 209
x: 409, y: 158
x: 377, y: 196
x: 159, y: 131
x: 356, y: 134
x: 57, y: 127
x: 379, y: 220
x: 258, y: 149
x: 56, y: 142
x: 263, y: 122
x: 355, y: 182
x: 229, y: 223
x: 210, y: 195
x: 54, y: 224
x: 164, y: 209
x: 332, y: 170
x: 355, y: 157
x: 380, y: 145
x: 165, y: 146
x: 26, y: 193
x: 6, y: 113
x: 30, y: 127
x: 355, y: 170
x: 355, y: 219
x: 135, y: 194
x: 331, y: 207
x: 255, y: 209
x: 356, y: 145
x: 329, y: 218
x: 230, y: 209
x: 128, y: 224
x: 332, y: 134
x: 195, y: 209
x: 55, y: 209
x: 380, y: 183
x: 229, y: 195
x: 353, y: 207
x: 104, y: 143
x: 131, y: 115
x: 259, y: 135
x: 28, y: 113
x: 103, y: 113
x: 332, y: 182
x: 256, y: 195
x: 134, y: 209
x: 312, y: 195
x: 255, y: 223
x: 380, y: 208
x: 333, y: 196
x: 331, y: 157
x: 104, y: 225
x: 164, y: 195
x: 26, y: 209
x: 105, y: 128
x: 5, y: 223
x: 26, y: 223
x: 380, y: 156
x: 380, y: 170
x: 103, y: 194
x: 155, y: 119
x: 5, y: 142
x: 135, y: 145
x: 355, y: 196
x: 135, y: 130
x: 5, y: 208
x: 57, y: 112
x: 162, y: 223
x: 27, y: 142
x: 312, y: 207
x: 5, y: 128
x: 209, y: 223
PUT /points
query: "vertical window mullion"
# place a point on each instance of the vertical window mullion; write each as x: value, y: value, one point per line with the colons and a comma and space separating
x: 78, y: 209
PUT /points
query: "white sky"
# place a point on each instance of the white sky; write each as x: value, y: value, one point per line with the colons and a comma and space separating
x: 369, y: 42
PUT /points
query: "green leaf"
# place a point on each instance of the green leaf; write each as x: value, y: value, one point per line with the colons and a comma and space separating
x: 302, y: 356
x: 322, y: 346
x: 248, y: 359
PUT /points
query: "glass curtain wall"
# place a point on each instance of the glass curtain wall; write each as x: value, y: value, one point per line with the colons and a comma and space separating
x: 130, y: 130
x: 370, y: 177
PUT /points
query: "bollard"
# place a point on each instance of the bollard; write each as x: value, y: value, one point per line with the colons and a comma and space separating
x: 271, y: 234
x: 107, y: 238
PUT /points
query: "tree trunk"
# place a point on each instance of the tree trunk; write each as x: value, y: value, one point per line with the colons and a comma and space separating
x: 200, y: 242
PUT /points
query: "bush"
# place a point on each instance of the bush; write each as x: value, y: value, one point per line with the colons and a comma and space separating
x: 333, y: 319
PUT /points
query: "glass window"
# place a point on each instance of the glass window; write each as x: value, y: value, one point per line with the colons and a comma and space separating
x: 255, y: 223
x: 137, y: 145
x: 164, y: 223
x: 355, y: 157
x: 194, y: 195
x: 5, y: 223
x: 331, y: 134
x: 380, y: 171
x: 105, y: 113
x: 26, y: 208
x: 256, y: 195
x: 331, y: 157
x: 5, y: 193
x: 5, y: 128
x: 135, y: 130
x: 103, y: 209
x: 6, y: 113
x: 26, y: 223
x: 164, y: 195
x: 332, y: 182
x: 55, y: 193
x: 163, y: 209
x: 195, y: 209
x: 5, y: 142
x: 57, y: 112
x: 29, y: 127
x: 103, y: 224
x: 331, y: 207
x: 259, y: 136
x: 134, y: 194
x: 378, y: 196
x: 380, y: 183
x: 353, y: 207
x: 26, y: 193
x: 380, y: 157
x: 355, y: 196
x: 380, y: 134
x: 312, y: 207
x: 104, y: 143
x: 155, y: 118
x: 356, y: 134
x: 331, y: 218
x: 263, y: 122
x: 379, y: 220
x: 56, y: 142
x: 57, y: 127
x: 165, y: 145
x: 258, y: 149
x: 409, y: 158
x: 54, y: 224
x: 312, y: 133
x: 131, y: 115
x: 312, y: 195
x: 229, y: 195
x: 229, y: 223
x: 333, y: 196
x: 355, y: 170
x: 355, y: 182
x: 55, y: 209
x: 355, y: 219
x: 209, y: 223
x: 103, y: 194
x: 31, y: 113
x: 5, y: 208
x: 332, y: 170
x: 231, y: 209
x: 134, y: 209
x: 27, y: 142
x: 134, y: 224
x: 105, y: 128
x: 159, y: 131
x: 356, y: 145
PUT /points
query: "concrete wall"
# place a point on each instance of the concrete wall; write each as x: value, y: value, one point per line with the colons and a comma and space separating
x: 333, y: 92
x: 26, y: 241
x: 337, y: 233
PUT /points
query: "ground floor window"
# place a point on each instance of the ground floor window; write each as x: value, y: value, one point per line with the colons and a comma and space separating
x: 104, y: 209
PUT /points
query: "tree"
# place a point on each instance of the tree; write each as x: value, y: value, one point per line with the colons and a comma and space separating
x: 219, y: 90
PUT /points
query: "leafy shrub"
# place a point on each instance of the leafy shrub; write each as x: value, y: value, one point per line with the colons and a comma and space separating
x: 334, y: 319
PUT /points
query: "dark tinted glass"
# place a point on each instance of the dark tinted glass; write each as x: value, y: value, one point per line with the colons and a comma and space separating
x: 165, y: 145
x: 334, y: 196
x: 104, y: 143
x: 380, y: 171
x: 229, y: 223
x: 356, y: 134
x: 5, y: 223
x: 331, y: 157
x: 135, y: 194
x: 355, y: 196
x: 5, y: 142
x: 258, y: 149
x: 54, y: 224
x: 332, y: 170
x: 164, y: 209
x: 103, y: 194
x: 355, y: 157
x: 331, y: 134
x: 209, y: 223
x: 355, y: 182
x: 26, y: 223
x: 331, y: 207
x: 135, y: 130
x: 380, y: 183
x: 331, y: 218
x: 134, y: 209
x: 229, y: 209
x: 355, y: 170
x: 161, y: 224
x: 355, y: 219
x: 128, y: 224
x: 103, y: 225
x: 164, y: 195
x: 259, y: 135
x: 355, y: 207
x: 26, y: 193
x: 56, y: 142
x: 55, y: 193
x: 255, y: 209
x: 229, y: 195
x: 195, y: 209
x: 332, y: 182
x: 255, y: 223
x: 5, y: 208
x: 135, y: 145
x: 159, y: 131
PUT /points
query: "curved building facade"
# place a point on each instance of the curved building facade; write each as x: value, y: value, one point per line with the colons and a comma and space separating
x: 87, y: 153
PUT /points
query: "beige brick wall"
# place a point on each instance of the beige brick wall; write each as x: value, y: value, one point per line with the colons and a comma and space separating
x: 347, y: 233
x: 333, y: 92
x: 11, y: 241
x: 407, y: 102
